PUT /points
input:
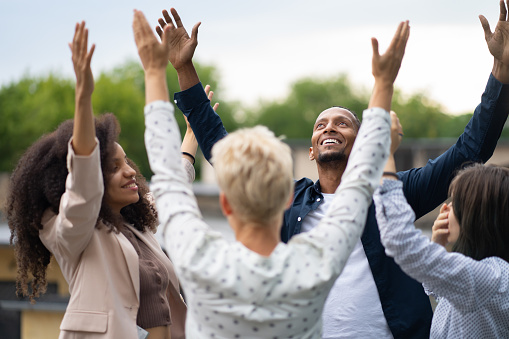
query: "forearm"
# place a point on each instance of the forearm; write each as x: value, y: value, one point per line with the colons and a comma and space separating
x: 450, y: 275
x: 382, y: 95
x: 206, y: 124
x: 189, y: 144
x: 84, y: 128
x: 169, y: 183
x: 156, y: 87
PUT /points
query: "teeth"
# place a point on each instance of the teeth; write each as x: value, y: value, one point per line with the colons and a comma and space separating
x: 130, y: 185
x: 330, y: 141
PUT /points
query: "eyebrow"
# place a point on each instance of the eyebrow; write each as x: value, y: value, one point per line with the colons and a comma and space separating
x: 340, y: 117
x: 120, y: 159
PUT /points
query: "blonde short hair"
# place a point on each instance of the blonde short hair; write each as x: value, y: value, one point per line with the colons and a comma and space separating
x: 254, y: 169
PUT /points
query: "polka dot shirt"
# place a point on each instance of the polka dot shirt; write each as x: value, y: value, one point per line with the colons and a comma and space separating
x: 233, y: 292
x: 473, y: 296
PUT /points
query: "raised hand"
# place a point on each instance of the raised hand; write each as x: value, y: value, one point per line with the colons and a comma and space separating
x: 153, y: 54
x: 440, y: 230
x: 83, y: 140
x: 210, y: 94
x: 498, y: 42
x: 385, y: 67
x: 396, y: 132
x: 81, y: 58
x: 182, y: 46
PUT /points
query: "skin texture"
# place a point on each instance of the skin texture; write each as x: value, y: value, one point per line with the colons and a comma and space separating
x: 333, y: 123
x: 497, y: 43
x: 454, y: 227
x: 117, y: 194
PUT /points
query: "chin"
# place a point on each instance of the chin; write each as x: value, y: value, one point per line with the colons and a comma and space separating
x: 332, y: 157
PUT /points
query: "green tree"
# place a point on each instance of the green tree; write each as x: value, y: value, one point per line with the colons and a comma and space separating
x: 32, y: 107
x: 295, y: 116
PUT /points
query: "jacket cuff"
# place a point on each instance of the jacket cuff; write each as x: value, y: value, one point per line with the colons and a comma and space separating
x: 190, y: 98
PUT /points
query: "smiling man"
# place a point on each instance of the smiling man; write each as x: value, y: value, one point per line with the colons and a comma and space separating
x: 372, y: 298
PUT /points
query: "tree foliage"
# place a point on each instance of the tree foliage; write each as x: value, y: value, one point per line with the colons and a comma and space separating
x: 34, y: 106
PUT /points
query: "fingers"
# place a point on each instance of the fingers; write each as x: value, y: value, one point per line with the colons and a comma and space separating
x: 374, y: 44
x: 167, y: 17
x: 194, y: 33
x: 167, y: 21
x: 444, y: 208
x: 79, y: 45
x: 141, y: 28
x: 486, y: 27
x: 210, y: 94
x: 397, y: 36
x: 176, y: 16
x: 401, y: 38
x: 90, y: 54
x: 503, y: 11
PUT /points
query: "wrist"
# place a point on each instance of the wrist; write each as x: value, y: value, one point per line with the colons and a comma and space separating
x: 155, y: 72
x: 186, y: 67
x: 187, y: 76
x: 500, y: 71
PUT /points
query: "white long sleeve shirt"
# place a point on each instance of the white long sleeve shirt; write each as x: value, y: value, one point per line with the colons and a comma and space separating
x: 473, y: 295
x: 233, y: 292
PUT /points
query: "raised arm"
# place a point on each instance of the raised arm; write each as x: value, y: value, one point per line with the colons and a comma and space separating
x: 498, y: 44
x: 67, y: 233
x: 175, y: 201
x: 182, y: 48
x: 153, y: 56
x: 426, y: 187
x: 84, y: 129
x: 386, y: 67
x: 192, y: 101
x: 462, y: 280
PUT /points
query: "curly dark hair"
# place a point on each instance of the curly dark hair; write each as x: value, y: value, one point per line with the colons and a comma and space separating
x: 37, y: 184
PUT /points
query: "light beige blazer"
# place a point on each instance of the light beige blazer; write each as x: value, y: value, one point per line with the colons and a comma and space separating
x: 101, y: 267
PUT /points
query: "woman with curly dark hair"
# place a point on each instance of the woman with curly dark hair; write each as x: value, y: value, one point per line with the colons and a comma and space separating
x: 76, y: 196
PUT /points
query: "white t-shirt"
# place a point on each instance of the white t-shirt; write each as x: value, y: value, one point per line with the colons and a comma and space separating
x: 350, y: 312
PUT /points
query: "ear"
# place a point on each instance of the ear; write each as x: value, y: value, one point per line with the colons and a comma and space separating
x: 225, y: 205
x: 311, y: 155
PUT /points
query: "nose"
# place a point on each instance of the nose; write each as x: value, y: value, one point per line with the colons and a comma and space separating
x: 129, y: 171
x: 330, y: 127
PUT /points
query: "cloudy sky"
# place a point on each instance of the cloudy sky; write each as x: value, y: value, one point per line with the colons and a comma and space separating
x: 261, y: 46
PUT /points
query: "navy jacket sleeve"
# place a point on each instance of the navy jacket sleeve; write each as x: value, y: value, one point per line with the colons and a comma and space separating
x: 427, y: 187
x: 206, y: 124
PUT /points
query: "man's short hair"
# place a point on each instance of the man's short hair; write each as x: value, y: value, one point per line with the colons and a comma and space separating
x: 254, y: 169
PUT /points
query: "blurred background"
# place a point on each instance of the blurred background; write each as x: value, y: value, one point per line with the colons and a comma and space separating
x: 277, y: 63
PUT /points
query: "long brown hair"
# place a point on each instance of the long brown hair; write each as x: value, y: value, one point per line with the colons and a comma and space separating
x: 38, y: 183
x: 480, y: 199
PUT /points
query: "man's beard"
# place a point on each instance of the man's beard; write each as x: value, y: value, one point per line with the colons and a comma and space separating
x: 332, y: 158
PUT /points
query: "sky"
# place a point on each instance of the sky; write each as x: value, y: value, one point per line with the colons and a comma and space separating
x: 261, y: 47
